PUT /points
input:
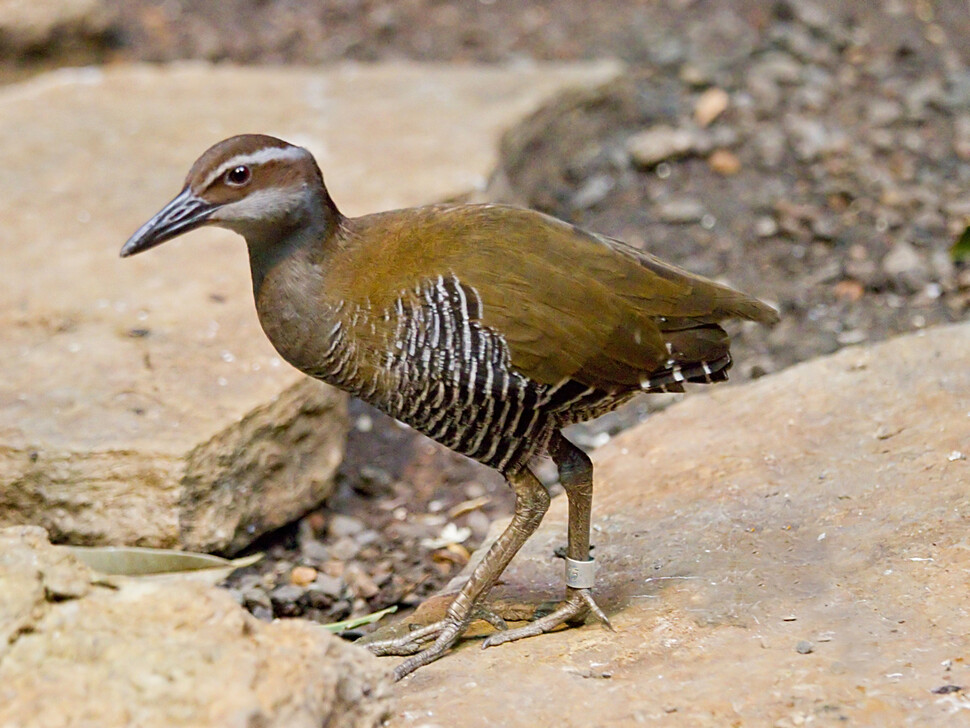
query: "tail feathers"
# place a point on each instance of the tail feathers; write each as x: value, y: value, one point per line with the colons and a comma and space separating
x: 672, y: 379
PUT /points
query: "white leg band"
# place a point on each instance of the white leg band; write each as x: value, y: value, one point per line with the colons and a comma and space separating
x: 580, y: 574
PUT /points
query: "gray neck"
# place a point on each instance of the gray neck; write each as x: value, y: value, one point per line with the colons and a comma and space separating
x: 303, y: 237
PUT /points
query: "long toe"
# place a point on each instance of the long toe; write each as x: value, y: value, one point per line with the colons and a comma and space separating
x: 446, y: 638
x: 414, y: 641
x: 578, y: 603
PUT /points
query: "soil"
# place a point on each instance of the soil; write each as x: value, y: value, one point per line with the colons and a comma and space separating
x: 831, y: 183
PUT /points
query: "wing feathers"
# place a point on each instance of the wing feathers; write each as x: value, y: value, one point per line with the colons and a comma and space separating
x: 572, y: 305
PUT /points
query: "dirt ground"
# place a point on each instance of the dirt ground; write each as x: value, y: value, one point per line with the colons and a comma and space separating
x: 832, y: 183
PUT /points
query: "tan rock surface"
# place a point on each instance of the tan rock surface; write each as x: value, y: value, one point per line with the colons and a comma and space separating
x: 828, y: 505
x: 78, y: 652
x: 140, y: 402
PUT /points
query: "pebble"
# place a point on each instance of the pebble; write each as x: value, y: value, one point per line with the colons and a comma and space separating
x: 680, y: 211
x: 329, y: 587
x: 360, y: 582
x: 804, y: 647
x: 303, y: 575
x: 373, y: 481
x: 710, y: 105
x: 593, y: 191
x: 905, y: 266
x: 344, y: 549
x: 313, y: 550
x: 765, y: 227
x: 341, y: 525
x: 286, y: 594
x: 883, y: 112
x: 256, y: 596
x: 848, y: 290
x: 649, y: 148
x: 771, y: 145
x: 809, y: 137
x: 724, y: 162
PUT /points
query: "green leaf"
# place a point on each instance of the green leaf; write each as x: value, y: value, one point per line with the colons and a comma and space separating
x: 359, y: 621
x: 960, y: 251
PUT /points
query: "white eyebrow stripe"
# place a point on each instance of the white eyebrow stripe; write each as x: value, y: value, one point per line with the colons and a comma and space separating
x: 260, y: 156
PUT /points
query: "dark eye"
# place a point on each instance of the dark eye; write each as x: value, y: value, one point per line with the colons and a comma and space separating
x: 238, y: 176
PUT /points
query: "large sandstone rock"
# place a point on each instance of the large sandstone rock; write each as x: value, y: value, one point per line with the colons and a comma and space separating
x: 76, y: 651
x: 139, y: 402
x: 789, y: 552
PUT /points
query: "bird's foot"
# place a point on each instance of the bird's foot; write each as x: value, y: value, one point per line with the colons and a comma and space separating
x: 427, y: 644
x: 424, y: 645
x: 578, y: 603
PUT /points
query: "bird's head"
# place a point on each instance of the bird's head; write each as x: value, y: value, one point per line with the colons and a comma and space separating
x: 258, y: 186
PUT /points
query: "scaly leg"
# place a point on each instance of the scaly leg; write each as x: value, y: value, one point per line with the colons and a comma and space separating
x: 576, y: 475
x: 531, y: 503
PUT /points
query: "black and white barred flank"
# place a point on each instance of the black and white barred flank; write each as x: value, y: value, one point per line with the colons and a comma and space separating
x: 449, y: 377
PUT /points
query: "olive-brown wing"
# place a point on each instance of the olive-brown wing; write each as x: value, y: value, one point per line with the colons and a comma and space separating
x: 570, y: 304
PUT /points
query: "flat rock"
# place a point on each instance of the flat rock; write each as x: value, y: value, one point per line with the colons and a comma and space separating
x: 788, y: 552
x: 78, y: 651
x: 139, y: 402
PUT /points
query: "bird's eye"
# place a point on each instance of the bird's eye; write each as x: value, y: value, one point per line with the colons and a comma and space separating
x: 238, y: 176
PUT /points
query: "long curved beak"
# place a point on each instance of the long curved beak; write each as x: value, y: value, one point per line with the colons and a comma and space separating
x: 186, y: 212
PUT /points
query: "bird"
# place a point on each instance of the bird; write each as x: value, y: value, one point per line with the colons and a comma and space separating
x: 486, y: 327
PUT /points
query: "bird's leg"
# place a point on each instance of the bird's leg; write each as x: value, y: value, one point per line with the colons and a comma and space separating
x: 576, y: 475
x: 531, y: 502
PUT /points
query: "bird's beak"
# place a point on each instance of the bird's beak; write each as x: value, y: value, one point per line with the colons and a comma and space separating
x: 186, y: 212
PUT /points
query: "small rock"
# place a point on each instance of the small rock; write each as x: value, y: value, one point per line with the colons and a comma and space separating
x: 765, y: 226
x: 315, y: 551
x: 303, y: 576
x: 905, y: 265
x: 344, y: 549
x: 649, y: 148
x: 360, y: 582
x: 373, y: 481
x: 825, y: 226
x: 593, y: 191
x: 710, y: 105
x: 256, y: 596
x: 341, y: 525
x: 771, y: 146
x: 315, y: 521
x: 284, y: 599
x: 804, y: 647
x: 810, y: 138
x: 813, y: 15
x: 367, y: 537
x: 325, y: 590
x: 478, y: 522
x: 918, y: 96
x: 883, y: 112
x: 680, y: 211
x: 848, y: 290
x: 724, y: 162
